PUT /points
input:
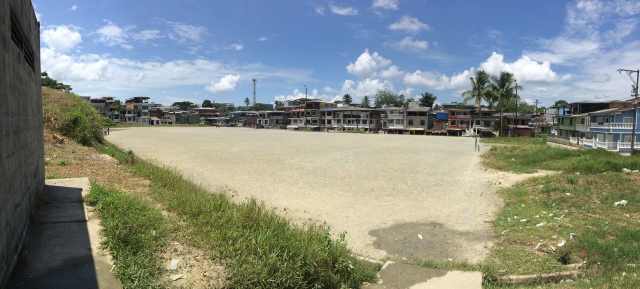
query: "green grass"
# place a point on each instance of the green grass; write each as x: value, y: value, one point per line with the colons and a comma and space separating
x: 135, y: 234
x: 580, y: 201
x: 527, y: 155
x: 69, y: 115
x: 259, y: 248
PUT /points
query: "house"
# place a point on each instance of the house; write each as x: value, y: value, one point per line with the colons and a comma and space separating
x: 393, y: 120
x: 419, y: 120
x: 440, y: 123
x: 137, y: 110
x: 273, y: 119
x: 459, y: 121
x: 104, y: 106
x: 483, y: 121
x: 206, y: 115
x: 154, y: 121
x: 611, y: 129
x: 185, y: 117
x: 350, y: 118
x: 243, y: 118
x: 296, y: 119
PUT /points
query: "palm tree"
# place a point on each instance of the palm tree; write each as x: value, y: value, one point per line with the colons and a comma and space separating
x: 247, y: 102
x: 346, y: 99
x: 365, y: 102
x: 479, y: 91
x: 503, y: 91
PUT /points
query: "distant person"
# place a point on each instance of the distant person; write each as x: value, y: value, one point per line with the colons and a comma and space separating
x: 107, y: 130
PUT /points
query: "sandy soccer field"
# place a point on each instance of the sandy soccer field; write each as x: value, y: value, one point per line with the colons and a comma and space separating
x: 395, y: 195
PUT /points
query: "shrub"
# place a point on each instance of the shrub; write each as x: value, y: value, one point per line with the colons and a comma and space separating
x: 72, y: 117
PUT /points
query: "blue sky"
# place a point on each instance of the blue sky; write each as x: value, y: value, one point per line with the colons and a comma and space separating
x: 197, y: 50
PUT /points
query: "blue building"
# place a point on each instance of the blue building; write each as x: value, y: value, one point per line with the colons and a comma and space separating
x: 611, y: 129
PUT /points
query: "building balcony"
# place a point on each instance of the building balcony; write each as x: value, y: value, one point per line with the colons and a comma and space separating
x: 612, y: 125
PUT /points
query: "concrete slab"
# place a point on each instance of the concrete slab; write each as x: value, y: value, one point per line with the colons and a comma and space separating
x: 402, y: 276
x: 63, y: 248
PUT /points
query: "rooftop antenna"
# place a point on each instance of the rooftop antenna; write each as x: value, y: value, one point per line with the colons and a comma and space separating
x: 254, y: 91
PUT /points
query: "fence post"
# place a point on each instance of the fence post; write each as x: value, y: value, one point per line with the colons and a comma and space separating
x: 618, y: 148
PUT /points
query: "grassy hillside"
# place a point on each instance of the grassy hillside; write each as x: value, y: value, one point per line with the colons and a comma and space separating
x: 67, y: 114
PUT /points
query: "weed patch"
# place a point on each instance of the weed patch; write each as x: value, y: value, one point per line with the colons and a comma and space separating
x: 135, y: 233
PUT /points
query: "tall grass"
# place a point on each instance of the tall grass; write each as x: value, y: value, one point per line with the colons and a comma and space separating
x: 260, y: 249
x: 69, y: 115
x: 135, y: 233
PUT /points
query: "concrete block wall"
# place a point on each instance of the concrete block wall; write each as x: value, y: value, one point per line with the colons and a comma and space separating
x: 21, y: 131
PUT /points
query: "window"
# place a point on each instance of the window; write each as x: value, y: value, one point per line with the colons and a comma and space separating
x: 627, y: 120
x: 411, y: 122
x: 582, y: 121
x: 422, y: 122
x: 364, y: 121
x: 599, y: 120
x: 328, y: 121
x: 627, y: 138
x: 606, y: 120
x: 477, y: 122
x: 453, y: 122
x: 18, y: 38
x: 398, y: 122
x: 453, y: 113
x: 571, y: 121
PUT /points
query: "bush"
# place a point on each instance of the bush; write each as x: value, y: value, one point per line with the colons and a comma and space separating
x: 69, y: 115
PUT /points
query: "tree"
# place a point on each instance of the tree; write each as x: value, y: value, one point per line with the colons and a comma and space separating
x: 411, y: 99
x: 116, y: 106
x: 337, y: 101
x: 561, y: 102
x: 346, y: 99
x: 216, y: 105
x: 479, y: 91
x: 207, y: 103
x: 386, y: 98
x: 52, y: 83
x: 427, y: 99
x: 436, y: 107
x: 365, y: 102
x: 260, y: 107
x: 246, y: 101
x: 184, y: 105
x: 277, y: 103
x: 523, y: 107
x: 503, y: 91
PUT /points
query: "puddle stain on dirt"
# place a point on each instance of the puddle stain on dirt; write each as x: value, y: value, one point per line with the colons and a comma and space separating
x: 427, y: 241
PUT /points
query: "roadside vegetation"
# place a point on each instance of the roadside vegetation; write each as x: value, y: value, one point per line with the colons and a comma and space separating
x: 567, y: 218
x: 135, y: 233
x: 257, y: 247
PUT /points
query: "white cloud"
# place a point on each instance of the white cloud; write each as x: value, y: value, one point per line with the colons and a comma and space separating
x: 524, y: 69
x: 226, y: 83
x: 409, y: 44
x: 367, y: 64
x: 328, y: 89
x: 73, y: 8
x: 391, y: 72
x: 236, y: 46
x: 438, y: 81
x: 368, y: 87
x: 385, y: 4
x: 145, y: 35
x: 319, y: 10
x: 262, y: 39
x: 38, y: 15
x: 112, y: 35
x: 344, y: 11
x: 61, y: 39
x: 409, y: 24
x: 69, y: 69
x: 184, y: 32
x: 406, y: 92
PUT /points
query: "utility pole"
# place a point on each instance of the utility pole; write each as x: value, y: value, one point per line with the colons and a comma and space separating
x: 305, y: 107
x: 536, y: 108
x: 634, y: 90
x: 254, y: 92
x: 514, y: 134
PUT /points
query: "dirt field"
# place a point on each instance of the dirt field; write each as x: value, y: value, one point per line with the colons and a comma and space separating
x: 395, y: 195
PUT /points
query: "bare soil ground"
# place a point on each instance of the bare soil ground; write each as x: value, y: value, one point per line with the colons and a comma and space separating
x: 395, y: 195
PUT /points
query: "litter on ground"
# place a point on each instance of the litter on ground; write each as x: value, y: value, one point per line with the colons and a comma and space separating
x: 621, y: 202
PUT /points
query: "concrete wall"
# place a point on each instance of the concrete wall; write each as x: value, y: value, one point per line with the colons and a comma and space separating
x: 21, y: 134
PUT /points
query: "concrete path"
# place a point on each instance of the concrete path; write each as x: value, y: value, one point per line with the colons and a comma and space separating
x: 63, y: 243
